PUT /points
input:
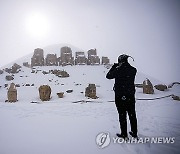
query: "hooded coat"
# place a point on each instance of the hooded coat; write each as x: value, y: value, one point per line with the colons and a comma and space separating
x: 124, y: 75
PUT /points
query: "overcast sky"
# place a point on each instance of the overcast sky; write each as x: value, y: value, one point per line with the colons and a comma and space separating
x: 148, y: 30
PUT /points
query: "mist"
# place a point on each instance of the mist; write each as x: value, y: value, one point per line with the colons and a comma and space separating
x: 148, y: 30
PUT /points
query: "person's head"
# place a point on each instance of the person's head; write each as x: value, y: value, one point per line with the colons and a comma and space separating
x: 123, y: 58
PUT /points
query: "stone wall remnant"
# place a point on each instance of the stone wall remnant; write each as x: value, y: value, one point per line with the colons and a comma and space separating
x: 105, y: 60
x: 93, y: 59
x: 51, y: 60
x: 66, y: 56
x: 38, y: 58
x: 80, y: 58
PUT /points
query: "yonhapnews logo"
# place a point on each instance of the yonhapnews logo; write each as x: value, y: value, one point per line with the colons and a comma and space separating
x: 103, y: 140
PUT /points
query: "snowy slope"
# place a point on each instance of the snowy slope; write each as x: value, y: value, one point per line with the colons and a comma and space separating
x: 60, y: 126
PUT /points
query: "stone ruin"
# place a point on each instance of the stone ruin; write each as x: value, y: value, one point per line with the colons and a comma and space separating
x: 12, y: 93
x: 161, y: 87
x: 174, y: 97
x: 45, y: 92
x: 51, y: 60
x: 59, y: 73
x: 66, y: 56
x: 60, y: 94
x: 9, y: 77
x: 93, y: 59
x: 14, y: 69
x: 1, y: 71
x: 44, y: 72
x: 26, y: 64
x: 38, y: 58
x: 105, y: 60
x: 148, y: 87
x: 80, y: 58
x: 91, y: 91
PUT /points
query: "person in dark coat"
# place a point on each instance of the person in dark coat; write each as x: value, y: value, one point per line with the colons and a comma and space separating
x: 124, y: 75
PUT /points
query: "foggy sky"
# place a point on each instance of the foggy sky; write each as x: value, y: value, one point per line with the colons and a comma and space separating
x: 148, y: 30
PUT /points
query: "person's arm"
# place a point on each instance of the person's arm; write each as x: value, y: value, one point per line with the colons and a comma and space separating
x: 112, y: 72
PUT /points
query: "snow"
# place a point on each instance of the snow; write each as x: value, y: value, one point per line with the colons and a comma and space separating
x: 60, y: 126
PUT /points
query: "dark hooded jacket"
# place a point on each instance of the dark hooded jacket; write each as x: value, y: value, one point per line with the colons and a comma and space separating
x: 124, y: 75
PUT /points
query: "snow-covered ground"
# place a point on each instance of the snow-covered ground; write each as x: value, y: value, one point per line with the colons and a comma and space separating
x: 62, y: 127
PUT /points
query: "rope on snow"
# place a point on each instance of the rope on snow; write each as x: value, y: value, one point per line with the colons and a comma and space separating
x: 149, y: 99
x: 154, y: 98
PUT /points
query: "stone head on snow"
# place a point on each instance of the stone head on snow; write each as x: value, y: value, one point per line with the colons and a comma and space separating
x: 45, y: 92
x: 12, y: 93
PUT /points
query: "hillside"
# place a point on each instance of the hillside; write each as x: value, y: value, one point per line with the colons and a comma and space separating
x: 71, y: 124
x: 80, y: 78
